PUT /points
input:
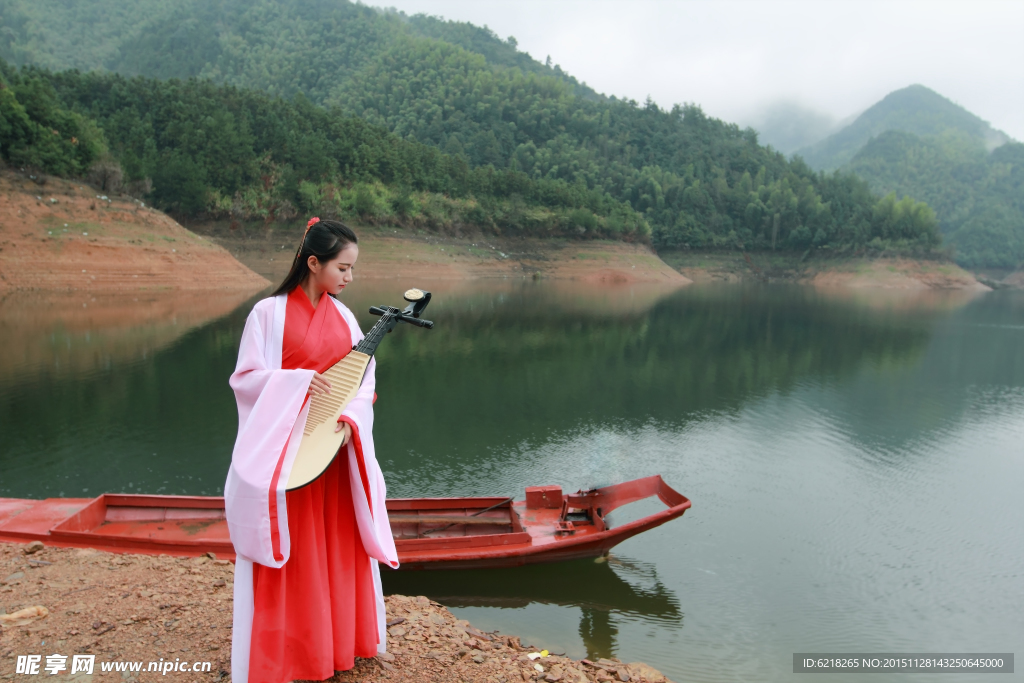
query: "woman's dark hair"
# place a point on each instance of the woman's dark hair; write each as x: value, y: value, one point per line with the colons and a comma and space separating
x: 325, y: 240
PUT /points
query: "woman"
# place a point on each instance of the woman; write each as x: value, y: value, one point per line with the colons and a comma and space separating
x: 307, y: 588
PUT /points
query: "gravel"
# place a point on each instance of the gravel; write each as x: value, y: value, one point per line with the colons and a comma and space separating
x: 143, y: 608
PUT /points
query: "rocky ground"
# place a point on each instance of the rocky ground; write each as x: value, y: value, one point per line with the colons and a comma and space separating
x: 145, y: 608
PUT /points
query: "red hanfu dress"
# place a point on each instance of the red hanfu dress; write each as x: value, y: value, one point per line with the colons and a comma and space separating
x: 317, y: 613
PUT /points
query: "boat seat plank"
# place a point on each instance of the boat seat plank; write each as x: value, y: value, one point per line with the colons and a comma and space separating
x: 448, y: 519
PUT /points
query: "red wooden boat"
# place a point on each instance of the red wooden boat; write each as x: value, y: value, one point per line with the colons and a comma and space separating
x: 429, y: 533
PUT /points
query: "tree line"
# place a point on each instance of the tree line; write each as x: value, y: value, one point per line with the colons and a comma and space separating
x: 199, y: 149
x: 489, y: 111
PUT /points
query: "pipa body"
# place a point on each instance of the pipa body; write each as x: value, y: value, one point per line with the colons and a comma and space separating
x: 320, y: 440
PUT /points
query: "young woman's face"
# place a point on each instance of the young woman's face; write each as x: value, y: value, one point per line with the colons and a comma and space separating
x: 333, y: 276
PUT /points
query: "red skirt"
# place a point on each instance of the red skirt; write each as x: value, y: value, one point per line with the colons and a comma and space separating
x: 318, y: 612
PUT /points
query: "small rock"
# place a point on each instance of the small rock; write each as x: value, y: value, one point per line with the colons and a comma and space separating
x: 437, y: 618
x: 623, y: 675
x: 395, y: 621
x: 648, y: 672
x: 14, y: 577
x: 396, y: 631
x: 479, y: 659
x: 34, y: 547
x: 220, y: 583
x: 386, y: 656
x: 24, y: 616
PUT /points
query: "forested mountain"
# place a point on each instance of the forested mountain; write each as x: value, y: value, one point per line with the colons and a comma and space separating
x: 196, y: 148
x: 694, y: 180
x: 977, y: 195
x: 914, y: 109
x: 916, y: 142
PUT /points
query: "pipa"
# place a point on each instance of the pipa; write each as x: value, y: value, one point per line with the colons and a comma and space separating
x: 320, y: 443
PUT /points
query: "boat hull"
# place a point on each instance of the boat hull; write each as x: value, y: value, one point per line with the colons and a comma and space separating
x: 430, y: 533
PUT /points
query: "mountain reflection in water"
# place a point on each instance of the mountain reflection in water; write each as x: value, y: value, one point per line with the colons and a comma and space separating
x: 853, y: 458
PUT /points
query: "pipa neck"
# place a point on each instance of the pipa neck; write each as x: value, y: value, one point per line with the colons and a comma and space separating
x: 368, y: 344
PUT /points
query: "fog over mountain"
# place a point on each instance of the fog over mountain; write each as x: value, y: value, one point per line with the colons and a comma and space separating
x: 736, y: 58
x: 787, y: 126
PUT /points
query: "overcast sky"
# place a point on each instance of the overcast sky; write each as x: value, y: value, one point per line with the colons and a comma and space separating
x: 736, y: 57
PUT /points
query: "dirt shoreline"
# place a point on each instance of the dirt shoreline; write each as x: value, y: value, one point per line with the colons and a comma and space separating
x: 66, y: 236
x: 827, y: 271
x: 143, y: 608
x: 397, y: 253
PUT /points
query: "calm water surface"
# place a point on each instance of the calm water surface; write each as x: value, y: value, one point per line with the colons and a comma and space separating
x: 855, y: 461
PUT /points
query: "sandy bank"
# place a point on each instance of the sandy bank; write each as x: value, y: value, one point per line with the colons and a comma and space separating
x: 828, y: 272
x: 142, y: 608
x: 61, y: 236
x: 1014, y: 280
x: 426, y: 256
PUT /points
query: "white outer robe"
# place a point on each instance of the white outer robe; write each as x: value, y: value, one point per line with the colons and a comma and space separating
x: 272, y: 413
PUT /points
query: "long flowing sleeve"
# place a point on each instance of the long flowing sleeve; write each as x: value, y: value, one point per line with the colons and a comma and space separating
x: 270, y: 406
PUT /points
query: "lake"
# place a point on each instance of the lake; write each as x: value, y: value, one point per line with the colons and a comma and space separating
x: 853, y: 457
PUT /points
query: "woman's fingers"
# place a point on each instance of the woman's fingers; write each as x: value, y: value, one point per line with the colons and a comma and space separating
x: 347, y: 428
x: 319, y: 385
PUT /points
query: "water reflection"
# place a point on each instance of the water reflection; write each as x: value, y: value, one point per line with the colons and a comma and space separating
x: 137, y: 389
x: 71, y: 334
x: 600, y: 590
x: 527, y: 365
x: 854, y: 459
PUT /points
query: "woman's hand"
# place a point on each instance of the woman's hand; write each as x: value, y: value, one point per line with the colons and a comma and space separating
x: 347, y: 429
x: 318, y: 385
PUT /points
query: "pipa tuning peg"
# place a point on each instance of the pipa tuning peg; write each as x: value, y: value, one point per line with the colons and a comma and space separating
x: 418, y: 300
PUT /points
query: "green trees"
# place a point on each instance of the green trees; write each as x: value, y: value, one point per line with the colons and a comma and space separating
x: 36, y: 132
x: 916, y: 142
x: 221, y: 151
x: 413, y: 105
x: 978, y: 196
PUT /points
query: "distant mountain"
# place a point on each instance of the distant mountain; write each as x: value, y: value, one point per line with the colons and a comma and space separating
x: 914, y: 109
x: 788, y: 126
x: 916, y: 143
x: 977, y: 195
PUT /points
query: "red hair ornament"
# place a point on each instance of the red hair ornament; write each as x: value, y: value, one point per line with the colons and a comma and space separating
x: 312, y: 221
